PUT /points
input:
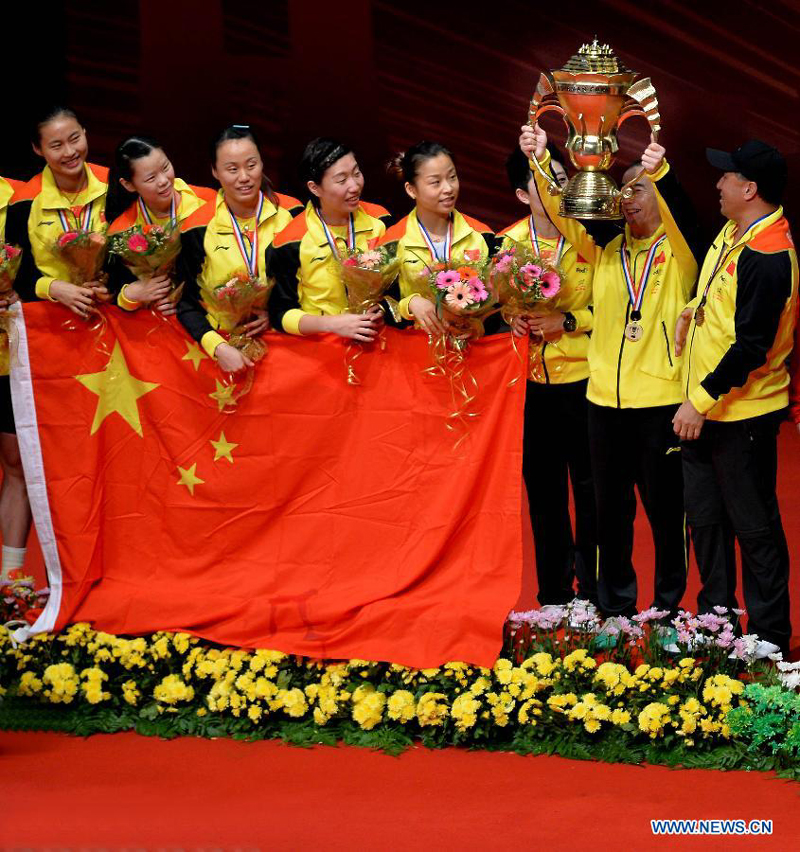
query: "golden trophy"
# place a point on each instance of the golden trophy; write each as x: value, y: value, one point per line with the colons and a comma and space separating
x: 594, y: 93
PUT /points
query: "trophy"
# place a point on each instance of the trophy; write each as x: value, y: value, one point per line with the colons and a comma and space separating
x: 594, y: 93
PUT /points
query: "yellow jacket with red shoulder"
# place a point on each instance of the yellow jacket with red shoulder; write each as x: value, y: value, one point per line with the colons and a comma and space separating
x: 735, y: 364
x: 468, y: 234
x: 565, y: 359
x: 39, y: 213
x: 210, y: 256
x: 192, y: 198
x: 640, y: 373
x: 7, y: 189
x: 306, y: 272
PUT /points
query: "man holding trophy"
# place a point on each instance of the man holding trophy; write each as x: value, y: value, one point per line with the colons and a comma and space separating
x: 642, y: 280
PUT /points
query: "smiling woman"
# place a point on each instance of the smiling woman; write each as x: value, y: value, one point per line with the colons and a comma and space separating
x: 224, y: 243
x: 143, y: 191
x: 309, y: 296
x: 68, y: 196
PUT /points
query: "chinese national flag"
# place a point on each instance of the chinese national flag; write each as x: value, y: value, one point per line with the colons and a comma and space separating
x: 314, y: 517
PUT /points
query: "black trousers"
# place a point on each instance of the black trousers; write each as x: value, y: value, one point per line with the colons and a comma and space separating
x: 730, y: 473
x: 555, y: 450
x: 637, y: 447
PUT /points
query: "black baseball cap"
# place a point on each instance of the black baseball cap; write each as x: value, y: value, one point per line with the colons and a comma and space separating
x: 758, y: 162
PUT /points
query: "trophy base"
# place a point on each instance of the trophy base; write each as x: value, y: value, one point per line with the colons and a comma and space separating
x: 591, y: 195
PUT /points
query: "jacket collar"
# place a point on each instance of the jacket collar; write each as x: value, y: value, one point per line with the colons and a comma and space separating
x: 361, y: 219
x: 54, y: 199
x: 756, y: 228
x: 222, y: 215
x: 414, y: 238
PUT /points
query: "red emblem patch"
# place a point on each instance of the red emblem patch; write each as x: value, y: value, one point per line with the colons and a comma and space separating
x: 730, y: 268
x: 662, y: 258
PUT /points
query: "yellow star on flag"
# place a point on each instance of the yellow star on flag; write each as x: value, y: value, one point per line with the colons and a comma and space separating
x: 194, y: 354
x: 223, y: 448
x: 117, y: 390
x: 189, y: 478
x: 223, y: 394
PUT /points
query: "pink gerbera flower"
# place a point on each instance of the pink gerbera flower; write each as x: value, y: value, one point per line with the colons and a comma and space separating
x: 551, y: 284
x: 531, y: 272
x: 446, y: 279
x: 479, y: 292
x: 459, y: 296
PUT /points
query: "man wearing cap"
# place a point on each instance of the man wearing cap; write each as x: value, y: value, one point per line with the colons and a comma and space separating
x: 738, y: 333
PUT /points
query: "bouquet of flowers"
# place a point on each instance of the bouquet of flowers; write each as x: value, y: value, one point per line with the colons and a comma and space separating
x: 464, y: 294
x: 233, y: 302
x: 10, y: 258
x: 20, y: 602
x: 367, y: 275
x: 526, y: 282
x: 149, y: 250
x: 84, y: 252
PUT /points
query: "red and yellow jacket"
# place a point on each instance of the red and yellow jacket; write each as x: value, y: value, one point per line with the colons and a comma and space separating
x: 565, y: 359
x: 7, y: 189
x: 414, y: 255
x: 210, y: 256
x: 735, y: 364
x: 192, y: 198
x: 37, y: 215
x: 307, y: 278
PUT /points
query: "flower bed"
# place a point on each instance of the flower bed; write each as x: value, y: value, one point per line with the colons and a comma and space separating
x: 551, y: 691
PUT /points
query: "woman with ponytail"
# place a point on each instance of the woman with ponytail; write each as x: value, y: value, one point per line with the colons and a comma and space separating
x: 309, y: 296
x: 143, y: 190
x: 227, y: 237
x: 434, y: 230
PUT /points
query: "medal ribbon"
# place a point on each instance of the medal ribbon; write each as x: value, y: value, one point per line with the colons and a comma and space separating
x: 560, y: 245
x: 351, y: 234
x: 85, y: 214
x: 146, y: 213
x: 723, y: 256
x: 251, y: 257
x: 448, y: 242
x: 636, y: 294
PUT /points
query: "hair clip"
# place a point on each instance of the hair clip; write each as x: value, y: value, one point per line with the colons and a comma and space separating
x: 241, y: 126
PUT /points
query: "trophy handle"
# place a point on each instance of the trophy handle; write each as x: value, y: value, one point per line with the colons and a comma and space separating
x: 643, y: 93
x: 545, y: 89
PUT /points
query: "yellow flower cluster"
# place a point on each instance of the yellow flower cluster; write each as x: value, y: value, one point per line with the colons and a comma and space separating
x: 178, y: 673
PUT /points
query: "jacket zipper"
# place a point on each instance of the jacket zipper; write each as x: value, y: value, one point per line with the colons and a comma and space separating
x: 666, y: 338
x: 544, y: 364
x: 621, y: 347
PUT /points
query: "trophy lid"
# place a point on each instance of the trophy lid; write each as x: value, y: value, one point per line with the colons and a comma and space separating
x: 596, y: 58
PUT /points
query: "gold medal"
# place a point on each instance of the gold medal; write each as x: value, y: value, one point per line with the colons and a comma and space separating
x: 700, y: 315
x: 633, y: 331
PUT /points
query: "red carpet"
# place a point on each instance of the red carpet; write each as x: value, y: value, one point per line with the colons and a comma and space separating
x: 129, y: 791
x: 135, y: 792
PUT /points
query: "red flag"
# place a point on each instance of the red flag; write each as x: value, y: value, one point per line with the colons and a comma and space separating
x: 317, y: 518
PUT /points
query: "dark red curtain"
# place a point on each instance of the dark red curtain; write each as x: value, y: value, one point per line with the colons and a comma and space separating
x: 385, y: 75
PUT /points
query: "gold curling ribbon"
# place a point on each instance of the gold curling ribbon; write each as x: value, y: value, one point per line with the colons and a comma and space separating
x: 174, y: 297
x: 98, y: 326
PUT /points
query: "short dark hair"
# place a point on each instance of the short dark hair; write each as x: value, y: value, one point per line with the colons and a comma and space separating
x: 405, y: 166
x: 45, y: 116
x: 518, y: 168
x: 118, y: 199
